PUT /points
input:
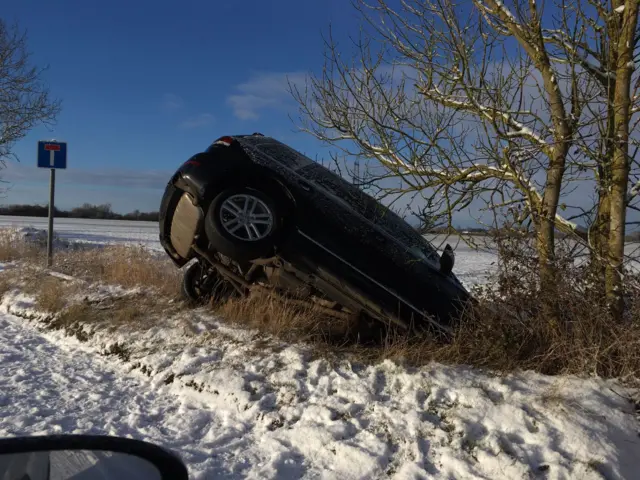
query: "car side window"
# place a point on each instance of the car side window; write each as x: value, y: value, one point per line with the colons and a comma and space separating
x: 369, y: 208
x: 340, y: 188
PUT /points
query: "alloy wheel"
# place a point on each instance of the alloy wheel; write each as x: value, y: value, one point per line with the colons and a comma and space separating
x: 246, y: 217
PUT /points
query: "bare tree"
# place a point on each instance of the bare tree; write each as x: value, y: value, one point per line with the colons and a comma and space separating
x: 25, y: 101
x: 452, y: 102
x: 605, y: 47
x: 624, y: 40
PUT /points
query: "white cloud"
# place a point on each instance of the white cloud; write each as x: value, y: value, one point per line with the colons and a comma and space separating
x: 263, y: 91
x: 172, y: 102
x: 197, y: 121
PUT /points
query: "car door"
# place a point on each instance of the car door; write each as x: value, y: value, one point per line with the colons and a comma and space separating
x: 354, y: 227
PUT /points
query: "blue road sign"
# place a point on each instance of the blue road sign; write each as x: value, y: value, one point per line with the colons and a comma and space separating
x: 52, y: 154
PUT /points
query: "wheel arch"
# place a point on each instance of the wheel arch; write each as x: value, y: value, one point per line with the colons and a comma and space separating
x: 259, y: 177
x: 271, y: 187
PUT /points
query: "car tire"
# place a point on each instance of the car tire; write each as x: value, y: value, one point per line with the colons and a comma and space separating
x: 201, y: 284
x: 235, y: 232
x: 191, y: 278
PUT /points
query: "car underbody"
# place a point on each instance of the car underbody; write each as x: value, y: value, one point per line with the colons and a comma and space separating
x: 305, y: 284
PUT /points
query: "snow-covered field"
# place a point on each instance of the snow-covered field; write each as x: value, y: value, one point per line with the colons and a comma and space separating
x: 235, y: 405
x: 93, y: 231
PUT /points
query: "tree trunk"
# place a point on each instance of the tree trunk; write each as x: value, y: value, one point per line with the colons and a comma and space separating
x: 599, y: 236
x: 613, y: 278
x: 620, y: 161
x: 546, y: 253
x: 545, y: 245
x: 546, y: 231
x: 547, y: 214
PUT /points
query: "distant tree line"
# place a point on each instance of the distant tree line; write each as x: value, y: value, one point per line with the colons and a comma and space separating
x: 86, y: 210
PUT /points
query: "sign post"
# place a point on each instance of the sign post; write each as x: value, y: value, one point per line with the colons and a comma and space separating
x: 51, y: 155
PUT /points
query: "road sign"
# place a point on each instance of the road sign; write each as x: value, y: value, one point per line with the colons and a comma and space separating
x: 52, y: 154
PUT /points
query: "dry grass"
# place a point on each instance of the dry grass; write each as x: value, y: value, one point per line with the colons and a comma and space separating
x: 76, y: 313
x: 72, y: 320
x: 507, y: 330
x: 117, y: 315
x: 510, y: 329
x: 127, y: 266
x: 279, y: 316
x: 330, y: 337
x: 13, y: 247
x: 130, y: 312
x: 5, y: 285
x: 51, y: 295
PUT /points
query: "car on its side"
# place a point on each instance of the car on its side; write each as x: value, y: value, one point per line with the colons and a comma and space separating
x: 251, y: 211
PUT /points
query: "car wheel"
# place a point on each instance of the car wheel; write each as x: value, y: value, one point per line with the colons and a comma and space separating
x: 201, y: 284
x: 244, y: 223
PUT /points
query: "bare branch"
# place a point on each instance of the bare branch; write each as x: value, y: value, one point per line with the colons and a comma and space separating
x: 24, y: 100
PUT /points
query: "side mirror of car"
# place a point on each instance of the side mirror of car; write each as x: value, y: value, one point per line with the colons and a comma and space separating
x: 84, y: 457
x: 447, y: 260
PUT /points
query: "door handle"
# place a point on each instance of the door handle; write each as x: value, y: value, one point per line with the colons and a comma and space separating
x: 305, y: 186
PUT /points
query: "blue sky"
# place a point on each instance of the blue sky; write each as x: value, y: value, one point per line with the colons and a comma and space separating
x: 144, y: 85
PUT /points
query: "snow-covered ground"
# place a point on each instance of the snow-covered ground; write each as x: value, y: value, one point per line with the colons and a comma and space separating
x: 234, y: 405
x: 93, y: 231
x: 277, y: 413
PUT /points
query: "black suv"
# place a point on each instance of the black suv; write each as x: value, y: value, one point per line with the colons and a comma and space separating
x: 255, y: 213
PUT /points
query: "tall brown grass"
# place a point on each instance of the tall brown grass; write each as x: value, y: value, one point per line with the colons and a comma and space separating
x: 507, y: 329
x: 128, y: 266
x: 51, y: 294
x: 277, y: 315
x: 14, y: 247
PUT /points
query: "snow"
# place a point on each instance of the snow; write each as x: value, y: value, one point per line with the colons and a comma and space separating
x: 233, y: 404
x: 88, y: 231
x: 279, y: 413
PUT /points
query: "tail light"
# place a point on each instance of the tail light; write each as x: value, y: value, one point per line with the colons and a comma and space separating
x: 225, y: 141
